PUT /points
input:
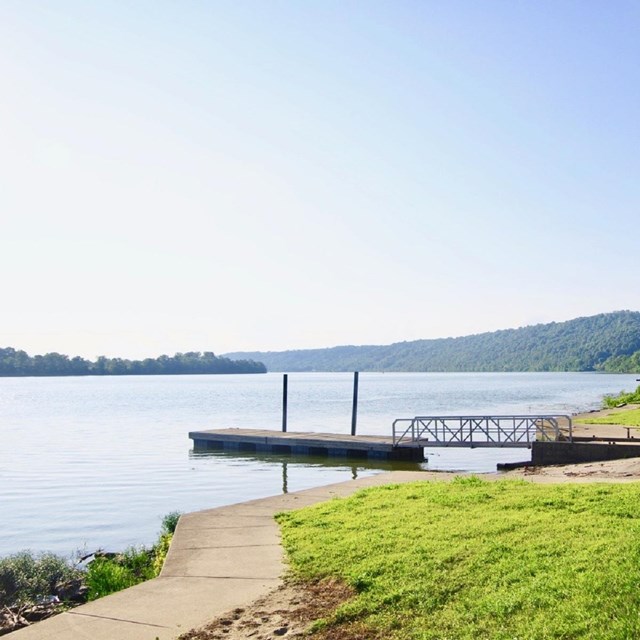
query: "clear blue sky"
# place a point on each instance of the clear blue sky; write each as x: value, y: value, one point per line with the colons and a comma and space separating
x: 200, y: 175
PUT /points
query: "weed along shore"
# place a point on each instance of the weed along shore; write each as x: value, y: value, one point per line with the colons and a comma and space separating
x: 35, y: 587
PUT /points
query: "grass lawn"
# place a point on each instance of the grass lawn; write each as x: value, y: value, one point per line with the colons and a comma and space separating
x: 474, y: 559
x: 630, y: 418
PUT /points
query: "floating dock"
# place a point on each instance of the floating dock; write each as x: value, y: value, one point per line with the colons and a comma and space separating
x: 550, y: 441
x: 307, y: 444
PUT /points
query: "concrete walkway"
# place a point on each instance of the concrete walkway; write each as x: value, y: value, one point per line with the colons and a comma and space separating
x: 219, y: 559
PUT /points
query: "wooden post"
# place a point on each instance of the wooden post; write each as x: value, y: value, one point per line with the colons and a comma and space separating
x: 285, y: 384
x: 354, y: 412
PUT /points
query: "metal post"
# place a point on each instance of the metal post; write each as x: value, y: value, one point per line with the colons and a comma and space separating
x: 285, y: 384
x: 354, y: 412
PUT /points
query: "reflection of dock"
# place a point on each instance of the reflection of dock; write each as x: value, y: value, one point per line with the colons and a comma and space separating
x: 290, y: 464
x: 355, y: 464
x: 307, y: 444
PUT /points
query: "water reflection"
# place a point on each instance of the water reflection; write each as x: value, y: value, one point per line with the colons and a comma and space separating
x: 304, y: 461
x: 478, y: 460
x: 285, y: 478
x: 291, y: 463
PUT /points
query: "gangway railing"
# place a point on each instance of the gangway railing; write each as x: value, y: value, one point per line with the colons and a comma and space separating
x: 481, y: 431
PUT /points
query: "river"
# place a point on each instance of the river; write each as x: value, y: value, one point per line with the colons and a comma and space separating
x: 96, y: 462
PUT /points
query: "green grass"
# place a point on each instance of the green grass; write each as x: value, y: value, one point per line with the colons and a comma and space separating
x: 630, y: 418
x: 474, y: 559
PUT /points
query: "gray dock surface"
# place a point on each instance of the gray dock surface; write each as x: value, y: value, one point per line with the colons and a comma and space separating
x: 304, y: 443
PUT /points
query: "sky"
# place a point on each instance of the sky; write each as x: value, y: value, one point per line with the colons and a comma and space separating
x: 200, y: 175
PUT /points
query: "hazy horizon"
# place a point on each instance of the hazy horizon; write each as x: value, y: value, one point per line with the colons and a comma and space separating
x: 319, y: 347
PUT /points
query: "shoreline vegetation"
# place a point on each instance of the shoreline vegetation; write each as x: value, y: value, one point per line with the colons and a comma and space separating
x: 622, y: 399
x: 34, y: 587
x: 622, y: 410
x: 17, y: 363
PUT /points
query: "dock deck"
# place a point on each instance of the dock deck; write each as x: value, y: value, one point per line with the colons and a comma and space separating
x: 306, y: 443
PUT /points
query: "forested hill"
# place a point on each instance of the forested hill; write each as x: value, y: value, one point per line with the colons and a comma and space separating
x: 606, y: 342
x: 19, y: 363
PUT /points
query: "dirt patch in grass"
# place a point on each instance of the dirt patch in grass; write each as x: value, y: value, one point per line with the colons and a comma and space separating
x: 286, y: 612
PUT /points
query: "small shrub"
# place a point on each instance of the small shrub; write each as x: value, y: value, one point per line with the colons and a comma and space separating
x: 170, y: 522
x: 26, y: 578
x: 161, y: 550
x: 623, y: 397
x: 107, y: 575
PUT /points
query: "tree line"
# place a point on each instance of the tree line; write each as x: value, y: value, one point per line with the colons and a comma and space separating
x: 18, y: 363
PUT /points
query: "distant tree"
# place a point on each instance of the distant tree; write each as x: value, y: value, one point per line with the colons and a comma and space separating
x: 18, y: 363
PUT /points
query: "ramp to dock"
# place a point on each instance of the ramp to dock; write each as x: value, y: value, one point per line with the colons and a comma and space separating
x: 501, y: 431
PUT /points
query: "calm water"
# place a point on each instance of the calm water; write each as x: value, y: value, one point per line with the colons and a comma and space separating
x: 89, y: 463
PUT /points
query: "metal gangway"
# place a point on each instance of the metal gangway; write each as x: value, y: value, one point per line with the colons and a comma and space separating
x: 481, y: 431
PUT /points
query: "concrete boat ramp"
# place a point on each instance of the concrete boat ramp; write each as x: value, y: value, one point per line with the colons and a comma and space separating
x: 219, y: 559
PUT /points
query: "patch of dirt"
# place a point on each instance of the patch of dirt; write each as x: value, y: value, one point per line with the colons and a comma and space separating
x: 286, y: 612
x: 622, y: 470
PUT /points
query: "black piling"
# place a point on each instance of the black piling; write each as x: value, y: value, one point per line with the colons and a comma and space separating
x: 285, y: 385
x: 354, y: 411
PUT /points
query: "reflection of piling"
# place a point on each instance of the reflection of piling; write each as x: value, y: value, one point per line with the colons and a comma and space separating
x: 285, y: 385
x: 354, y: 411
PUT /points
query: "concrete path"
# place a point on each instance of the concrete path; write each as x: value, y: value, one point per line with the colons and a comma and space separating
x: 219, y: 559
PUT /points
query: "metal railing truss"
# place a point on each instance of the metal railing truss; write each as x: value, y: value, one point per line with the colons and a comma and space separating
x: 481, y: 431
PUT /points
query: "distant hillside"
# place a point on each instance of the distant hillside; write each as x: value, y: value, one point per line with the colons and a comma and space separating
x: 606, y: 342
